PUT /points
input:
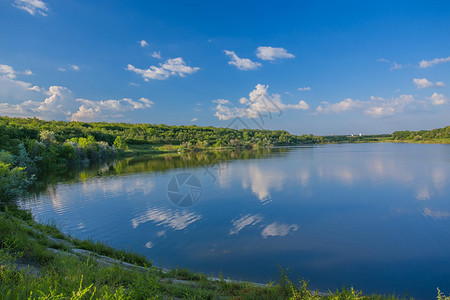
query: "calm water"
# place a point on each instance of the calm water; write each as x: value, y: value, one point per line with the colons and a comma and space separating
x: 375, y: 216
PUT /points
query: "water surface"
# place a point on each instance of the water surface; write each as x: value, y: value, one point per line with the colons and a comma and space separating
x: 375, y: 216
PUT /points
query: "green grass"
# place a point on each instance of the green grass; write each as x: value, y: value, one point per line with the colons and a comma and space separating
x: 102, y: 249
x: 143, y: 149
x: 72, y: 277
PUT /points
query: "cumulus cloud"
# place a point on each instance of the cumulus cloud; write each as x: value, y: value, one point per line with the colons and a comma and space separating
x: 75, y: 67
x: 244, y: 64
x: 58, y: 102
x: 306, y: 88
x: 380, y: 111
x: 32, y: 6
x: 143, y: 43
x: 276, y: 229
x: 271, y: 53
x: 438, y: 99
x: 156, y: 54
x: 377, y: 107
x: 258, y: 103
x: 103, y: 110
x: 425, y: 83
x: 56, y: 105
x: 430, y: 63
x: 388, y: 106
x: 194, y: 119
x: 171, y: 67
x: 9, y: 72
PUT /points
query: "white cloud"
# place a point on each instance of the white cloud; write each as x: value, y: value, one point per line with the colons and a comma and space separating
x: 221, y: 101
x: 56, y: 105
x: 271, y: 53
x: 387, y: 107
x: 172, y: 67
x: 156, y: 54
x: 106, y: 109
x: 306, y: 88
x: 244, y: 64
x: 71, y: 67
x: 9, y: 72
x: 176, y: 66
x: 377, y: 107
x: 345, y: 105
x: 380, y: 111
x: 438, y: 99
x: 258, y: 103
x: 194, y: 119
x: 32, y: 6
x: 425, y: 83
x: 16, y: 90
x: 430, y: 63
x: 276, y: 229
x: 422, y: 83
x: 394, y: 65
x: 143, y: 43
x: 152, y: 72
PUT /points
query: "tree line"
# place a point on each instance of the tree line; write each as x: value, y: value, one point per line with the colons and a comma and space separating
x: 152, y: 134
x: 422, y: 135
x: 30, y: 145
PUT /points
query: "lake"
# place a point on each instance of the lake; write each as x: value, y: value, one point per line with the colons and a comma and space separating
x: 372, y: 216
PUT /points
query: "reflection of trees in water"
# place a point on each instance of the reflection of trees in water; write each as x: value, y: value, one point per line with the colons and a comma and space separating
x: 153, y: 163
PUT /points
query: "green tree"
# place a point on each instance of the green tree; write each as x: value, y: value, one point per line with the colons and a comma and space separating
x: 120, y: 144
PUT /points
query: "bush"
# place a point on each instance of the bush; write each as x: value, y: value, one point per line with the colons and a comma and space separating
x: 13, y: 181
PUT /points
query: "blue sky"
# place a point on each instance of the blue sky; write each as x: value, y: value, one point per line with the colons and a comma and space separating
x: 321, y: 67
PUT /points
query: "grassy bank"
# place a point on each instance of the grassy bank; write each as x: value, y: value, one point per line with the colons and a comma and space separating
x: 39, y: 262
x: 433, y: 141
